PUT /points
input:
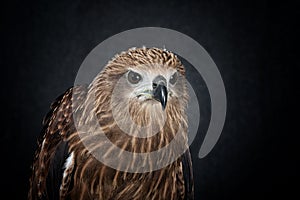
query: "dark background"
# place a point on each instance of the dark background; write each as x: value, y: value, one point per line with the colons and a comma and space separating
x: 44, y: 42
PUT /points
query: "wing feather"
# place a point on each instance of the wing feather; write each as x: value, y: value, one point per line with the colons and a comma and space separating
x: 188, y: 175
x: 53, y: 149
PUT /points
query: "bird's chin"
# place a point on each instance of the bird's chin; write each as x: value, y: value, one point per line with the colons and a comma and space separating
x: 148, y: 101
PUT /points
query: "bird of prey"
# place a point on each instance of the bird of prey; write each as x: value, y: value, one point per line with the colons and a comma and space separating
x: 137, y: 87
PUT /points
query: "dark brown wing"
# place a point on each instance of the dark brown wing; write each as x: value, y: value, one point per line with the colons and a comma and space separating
x: 52, y: 152
x: 188, y: 175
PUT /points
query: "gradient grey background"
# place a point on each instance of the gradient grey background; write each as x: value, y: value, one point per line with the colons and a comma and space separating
x: 44, y: 42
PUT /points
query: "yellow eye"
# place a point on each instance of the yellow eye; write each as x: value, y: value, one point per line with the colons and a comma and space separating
x: 173, y: 78
x: 134, y: 77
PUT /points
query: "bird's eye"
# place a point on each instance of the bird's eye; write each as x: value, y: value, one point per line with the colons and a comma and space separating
x: 173, y: 78
x: 134, y: 77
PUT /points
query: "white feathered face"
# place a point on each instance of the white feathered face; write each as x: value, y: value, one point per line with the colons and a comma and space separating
x: 144, y: 95
x: 152, y: 85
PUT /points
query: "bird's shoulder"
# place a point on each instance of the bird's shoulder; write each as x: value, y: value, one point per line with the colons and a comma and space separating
x: 61, y: 110
x: 57, y: 126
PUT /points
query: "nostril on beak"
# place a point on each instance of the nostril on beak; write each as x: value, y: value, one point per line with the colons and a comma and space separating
x: 154, y: 86
x: 159, y: 80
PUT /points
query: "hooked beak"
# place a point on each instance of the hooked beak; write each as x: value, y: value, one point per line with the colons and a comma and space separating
x: 160, y: 94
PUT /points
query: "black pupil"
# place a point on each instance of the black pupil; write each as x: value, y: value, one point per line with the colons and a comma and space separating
x: 173, y: 78
x: 134, y: 77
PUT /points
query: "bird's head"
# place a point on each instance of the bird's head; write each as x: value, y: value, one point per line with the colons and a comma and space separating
x: 142, y: 86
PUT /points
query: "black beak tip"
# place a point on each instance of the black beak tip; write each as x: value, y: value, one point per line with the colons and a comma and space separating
x: 161, y: 95
x: 163, y: 106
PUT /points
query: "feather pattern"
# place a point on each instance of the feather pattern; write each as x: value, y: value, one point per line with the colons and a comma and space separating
x: 64, y: 167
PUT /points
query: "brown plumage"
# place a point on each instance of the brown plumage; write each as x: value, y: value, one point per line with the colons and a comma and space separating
x: 65, y: 166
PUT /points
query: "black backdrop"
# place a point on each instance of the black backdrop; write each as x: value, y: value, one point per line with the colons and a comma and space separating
x: 44, y: 43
